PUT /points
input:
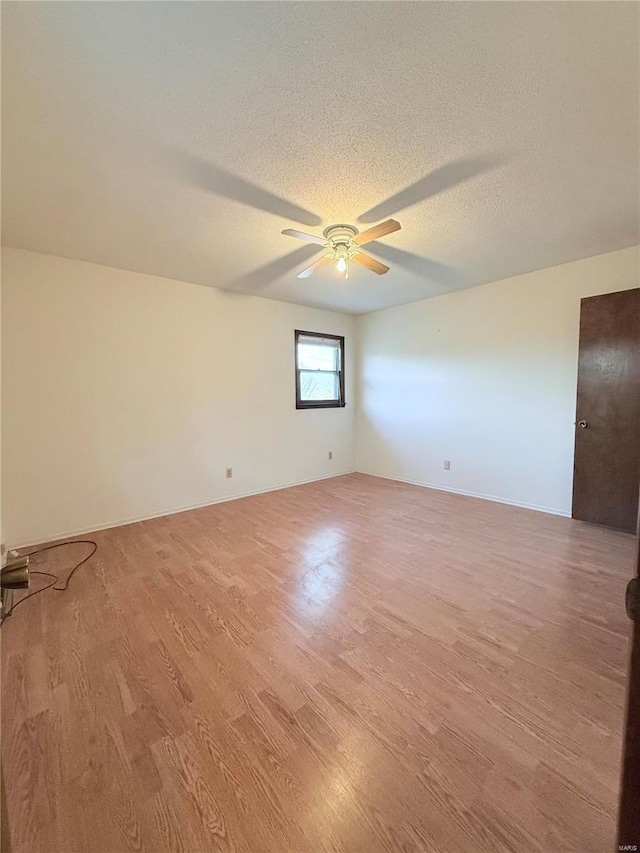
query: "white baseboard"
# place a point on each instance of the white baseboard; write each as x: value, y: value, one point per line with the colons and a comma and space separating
x: 536, y: 507
x: 81, y: 531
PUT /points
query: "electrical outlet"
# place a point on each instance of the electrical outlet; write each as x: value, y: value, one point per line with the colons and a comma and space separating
x: 228, y: 473
x: 331, y: 454
x: 447, y: 464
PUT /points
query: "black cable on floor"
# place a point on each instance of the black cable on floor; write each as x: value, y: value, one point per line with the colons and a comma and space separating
x: 56, y: 579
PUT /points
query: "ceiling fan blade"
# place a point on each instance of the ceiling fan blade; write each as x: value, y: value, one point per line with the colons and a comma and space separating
x: 314, y: 266
x: 370, y: 263
x: 387, y: 227
x: 302, y: 235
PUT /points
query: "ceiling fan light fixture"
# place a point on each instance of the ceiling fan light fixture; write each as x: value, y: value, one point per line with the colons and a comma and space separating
x: 342, y: 265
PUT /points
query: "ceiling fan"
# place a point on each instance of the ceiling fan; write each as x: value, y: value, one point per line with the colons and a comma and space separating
x: 343, y: 244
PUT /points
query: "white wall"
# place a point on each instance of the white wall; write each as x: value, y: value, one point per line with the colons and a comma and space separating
x: 486, y: 378
x: 127, y: 396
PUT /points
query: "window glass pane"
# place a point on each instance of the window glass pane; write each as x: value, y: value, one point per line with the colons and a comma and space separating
x: 319, y: 386
x: 317, y: 357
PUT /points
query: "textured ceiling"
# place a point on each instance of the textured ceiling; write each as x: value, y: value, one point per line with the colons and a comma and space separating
x: 180, y: 138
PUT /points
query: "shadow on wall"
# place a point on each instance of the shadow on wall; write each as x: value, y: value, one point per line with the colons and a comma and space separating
x: 373, y: 443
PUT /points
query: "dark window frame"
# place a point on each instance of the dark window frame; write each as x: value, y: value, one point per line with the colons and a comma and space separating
x: 320, y: 404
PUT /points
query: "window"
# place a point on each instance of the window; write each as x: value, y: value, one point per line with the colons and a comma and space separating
x: 319, y: 371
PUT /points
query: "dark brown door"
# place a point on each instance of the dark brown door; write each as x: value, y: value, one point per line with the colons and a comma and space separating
x: 607, y: 442
x: 629, y: 813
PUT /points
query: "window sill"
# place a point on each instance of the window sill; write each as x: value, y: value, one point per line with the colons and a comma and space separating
x: 321, y: 404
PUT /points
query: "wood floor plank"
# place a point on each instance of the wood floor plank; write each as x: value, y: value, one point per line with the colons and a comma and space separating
x: 349, y: 666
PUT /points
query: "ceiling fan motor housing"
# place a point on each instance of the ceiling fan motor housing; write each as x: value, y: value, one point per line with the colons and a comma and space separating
x: 339, y: 236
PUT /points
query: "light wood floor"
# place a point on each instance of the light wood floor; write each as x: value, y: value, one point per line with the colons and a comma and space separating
x: 354, y: 665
